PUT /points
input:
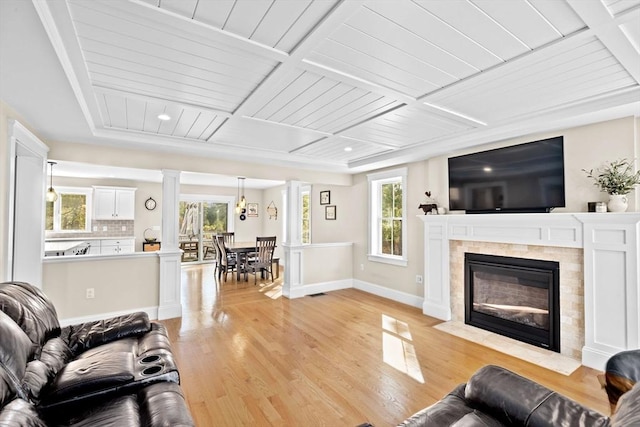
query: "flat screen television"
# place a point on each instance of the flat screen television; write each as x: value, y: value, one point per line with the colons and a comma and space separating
x: 521, y: 178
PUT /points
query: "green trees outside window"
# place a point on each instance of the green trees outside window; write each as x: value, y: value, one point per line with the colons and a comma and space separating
x: 306, y: 217
x: 214, y: 217
x: 387, y: 216
x: 69, y: 212
x: 391, y: 218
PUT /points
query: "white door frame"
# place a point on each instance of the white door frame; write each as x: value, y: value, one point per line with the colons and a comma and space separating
x: 30, y: 204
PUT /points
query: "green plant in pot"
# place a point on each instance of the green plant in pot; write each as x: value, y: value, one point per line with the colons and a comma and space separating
x: 617, y: 179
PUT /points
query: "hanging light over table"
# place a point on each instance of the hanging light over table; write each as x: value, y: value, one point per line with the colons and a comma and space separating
x: 51, y: 195
x: 242, y: 202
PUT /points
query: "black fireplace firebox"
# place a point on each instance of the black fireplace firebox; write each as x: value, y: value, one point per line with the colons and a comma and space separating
x: 515, y: 297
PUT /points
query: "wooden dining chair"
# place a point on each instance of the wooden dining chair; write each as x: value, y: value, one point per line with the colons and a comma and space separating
x: 226, y: 263
x: 209, y: 246
x: 189, y: 251
x: 262, y: 259
x: 229, y: 237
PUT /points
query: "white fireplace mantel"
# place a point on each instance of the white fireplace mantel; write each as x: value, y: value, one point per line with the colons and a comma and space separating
x: 610, y: 243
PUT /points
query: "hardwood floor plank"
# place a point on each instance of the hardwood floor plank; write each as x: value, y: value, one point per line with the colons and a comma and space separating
x: 247, y: 356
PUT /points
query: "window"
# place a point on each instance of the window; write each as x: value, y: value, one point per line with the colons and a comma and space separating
x: 71, y: 212
x: 205, y: 215
x: 214, y: 217
x: 387, y: 217
x: 305, y: 216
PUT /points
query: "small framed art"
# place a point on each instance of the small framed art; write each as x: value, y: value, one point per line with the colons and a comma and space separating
x: 330, y: 212
x: 252, y: 209
x: 325, y: 197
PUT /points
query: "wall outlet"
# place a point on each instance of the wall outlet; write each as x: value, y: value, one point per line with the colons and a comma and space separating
x: 95, y: 228
x: 124, y: 228
x: 156, y: 228
x: 91, y: 293
x: 418, y: 278
x: 105, y: 228
x: 361, y: 267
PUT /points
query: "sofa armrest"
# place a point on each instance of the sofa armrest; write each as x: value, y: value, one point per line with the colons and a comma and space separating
x: 516, y: 400
x: 621, y: 373
x: 84, y: 336
x: 445, y: 412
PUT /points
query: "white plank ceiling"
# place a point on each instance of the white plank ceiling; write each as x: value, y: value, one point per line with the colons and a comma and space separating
x: 348, y: 85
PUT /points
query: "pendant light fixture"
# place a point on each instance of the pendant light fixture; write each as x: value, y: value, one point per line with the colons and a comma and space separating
x: 51, y: 195
x: 242, y: 202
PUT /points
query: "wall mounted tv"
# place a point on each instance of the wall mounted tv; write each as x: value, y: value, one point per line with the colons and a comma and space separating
x: 520, y: 178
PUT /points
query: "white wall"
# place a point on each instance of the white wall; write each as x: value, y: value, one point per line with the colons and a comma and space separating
x: 120, y: 284
x: 273, y: 226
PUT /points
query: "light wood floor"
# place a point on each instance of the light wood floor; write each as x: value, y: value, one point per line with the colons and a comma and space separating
x: 249, y: 357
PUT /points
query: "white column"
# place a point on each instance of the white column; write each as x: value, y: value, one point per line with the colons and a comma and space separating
x: 437, y: 294
x: 293, y: 245
x: 611, y: 285
x: 170, y: 254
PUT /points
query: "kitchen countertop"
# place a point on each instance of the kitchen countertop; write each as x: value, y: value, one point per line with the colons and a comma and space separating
x: 66, y: 239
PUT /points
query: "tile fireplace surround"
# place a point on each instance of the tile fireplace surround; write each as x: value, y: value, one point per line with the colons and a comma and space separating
x: 609, y: 245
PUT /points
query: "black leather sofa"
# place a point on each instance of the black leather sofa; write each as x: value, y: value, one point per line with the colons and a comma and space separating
x: 113, y: 372
x: 495, y: 397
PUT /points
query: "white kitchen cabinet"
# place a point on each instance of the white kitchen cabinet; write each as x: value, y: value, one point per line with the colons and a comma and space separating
x: 117, y: 246
x: 114, y: 203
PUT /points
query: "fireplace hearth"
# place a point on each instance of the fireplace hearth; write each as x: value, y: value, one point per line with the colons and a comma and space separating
x: 514, y: 297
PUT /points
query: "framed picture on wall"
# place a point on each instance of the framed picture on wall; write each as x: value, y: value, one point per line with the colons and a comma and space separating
x: 330, y: 212
x: 252, y: 209
x: 325, y: 197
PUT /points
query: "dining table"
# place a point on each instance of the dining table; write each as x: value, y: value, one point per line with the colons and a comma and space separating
x: 240, y: 249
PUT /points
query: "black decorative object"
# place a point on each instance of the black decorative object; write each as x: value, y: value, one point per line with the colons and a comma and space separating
x: 325, y: 197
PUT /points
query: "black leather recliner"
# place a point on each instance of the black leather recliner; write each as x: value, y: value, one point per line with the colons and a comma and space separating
x: 497, y: 397
x: 114, y: 372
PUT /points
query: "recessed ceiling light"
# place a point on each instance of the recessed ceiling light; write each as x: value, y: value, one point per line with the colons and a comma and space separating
x: 347, y: 149
x: 164, y: 116
x: 487, y: 169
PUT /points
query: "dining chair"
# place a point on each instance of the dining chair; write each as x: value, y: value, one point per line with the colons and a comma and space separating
x: 229, y: 237
x: 189, y: 251
x: 210, y: 247
x: 226, y: 263
x: 262, y: 259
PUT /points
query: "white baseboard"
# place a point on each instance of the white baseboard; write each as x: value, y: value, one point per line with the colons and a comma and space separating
x: 152, y: 312
x: 437, y: 311
x: 316, y: 288
x: 595, y: 359
x: 392, y: 294
x: 169, y: 311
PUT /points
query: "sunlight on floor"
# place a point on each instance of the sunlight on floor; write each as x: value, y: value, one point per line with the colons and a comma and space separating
x: 397, y: 350
x: 272, y: 290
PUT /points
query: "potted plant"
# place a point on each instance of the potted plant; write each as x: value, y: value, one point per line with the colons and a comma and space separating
x: 616, y: 179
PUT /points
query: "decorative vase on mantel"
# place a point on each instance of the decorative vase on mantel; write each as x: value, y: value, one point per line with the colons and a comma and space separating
x: 617, y: 203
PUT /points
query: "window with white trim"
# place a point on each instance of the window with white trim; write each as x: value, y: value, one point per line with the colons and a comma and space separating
x: 71, y: 211
x: 387, y: 217
x: 305, y: 214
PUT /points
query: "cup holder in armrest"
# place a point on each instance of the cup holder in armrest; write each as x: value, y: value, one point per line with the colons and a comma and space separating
x: 150, y: 359
x: 151, y: 370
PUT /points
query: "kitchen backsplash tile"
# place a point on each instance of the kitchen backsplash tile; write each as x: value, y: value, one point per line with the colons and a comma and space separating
x: 102, y: 228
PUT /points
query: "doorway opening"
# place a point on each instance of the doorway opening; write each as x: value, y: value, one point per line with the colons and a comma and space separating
x: 200, y: 220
